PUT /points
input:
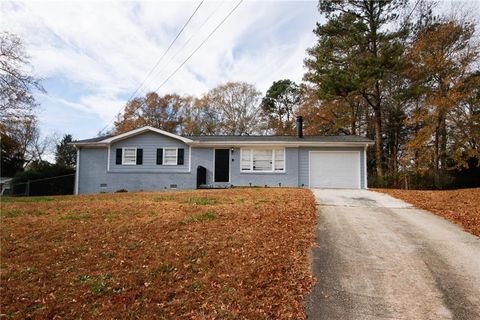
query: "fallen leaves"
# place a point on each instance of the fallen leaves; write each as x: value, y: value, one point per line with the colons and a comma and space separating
x: 227, y: 254
x: 460, y: 206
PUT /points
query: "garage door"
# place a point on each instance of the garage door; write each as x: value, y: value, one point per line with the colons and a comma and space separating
x: 334, y: 169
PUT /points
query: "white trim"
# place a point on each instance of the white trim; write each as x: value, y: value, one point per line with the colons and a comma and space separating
x: 123, y: 157
x: 189, y: 158
x: 272, y: 148
x: 77, y: 170
x: 108, y: 157
x: 365, y: 166
x: 141, y: 130
x: 225, y: 144
x: 229, y: 165
x: 334, y: 151
x: 176, y: 157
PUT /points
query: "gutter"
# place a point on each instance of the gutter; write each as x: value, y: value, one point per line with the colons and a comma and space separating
x: 229, y: 144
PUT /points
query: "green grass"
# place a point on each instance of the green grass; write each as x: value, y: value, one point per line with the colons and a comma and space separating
x: 132, y: 245
x: 98, y: 287
x: 12, y: 213
x: 166, y: 198
x: 75, y: 217
x: 27, y: 199
x: 206, y: 216
x: 107, y: 255
x: 163, y: 269
x: 201, y: 201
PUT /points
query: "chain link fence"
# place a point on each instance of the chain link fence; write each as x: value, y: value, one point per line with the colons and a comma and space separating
x: 58, y: 185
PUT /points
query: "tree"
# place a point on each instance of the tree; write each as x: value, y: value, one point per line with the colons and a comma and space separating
x: 355, y: 55
x: 16, y: 85
x: 26, y: 133
x: 163, y: 112
x: 65, y: 154
x: 199, y: 119
x: 440, y: 65
x: 279, y: 105
x: 237, y: 108
x: 11, y: 159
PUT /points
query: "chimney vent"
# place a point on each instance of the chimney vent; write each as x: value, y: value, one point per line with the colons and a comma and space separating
x: 300, y: 126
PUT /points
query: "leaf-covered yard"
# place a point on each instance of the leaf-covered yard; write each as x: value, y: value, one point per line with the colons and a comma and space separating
x: 227, y: 254
x: 459, y: 206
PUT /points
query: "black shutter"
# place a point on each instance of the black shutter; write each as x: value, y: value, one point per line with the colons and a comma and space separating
x: 118, y: 158
x: 180, y: 157
x: 159, y: 156
x: 139, y: 156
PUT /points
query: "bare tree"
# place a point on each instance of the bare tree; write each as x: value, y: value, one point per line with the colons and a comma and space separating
x: 237, y: 107
x: 32, y: 146
x: 16, y: 85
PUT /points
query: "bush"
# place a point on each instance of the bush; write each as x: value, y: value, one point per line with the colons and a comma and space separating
x: 44, y: 179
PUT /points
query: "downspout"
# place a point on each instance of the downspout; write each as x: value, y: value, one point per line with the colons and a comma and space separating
x: 77, y: 171
x: 365, y: 165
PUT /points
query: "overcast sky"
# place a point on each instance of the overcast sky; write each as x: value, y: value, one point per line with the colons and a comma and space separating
x: 93, y: 55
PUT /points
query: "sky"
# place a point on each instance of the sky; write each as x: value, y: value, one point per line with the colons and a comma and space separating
x: 92, y: 56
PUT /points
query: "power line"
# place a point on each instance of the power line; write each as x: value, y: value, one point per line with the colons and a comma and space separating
x: 196, y: 49
x: 168, y: 49
x: 158, y: 61
x: 191, y: 37
x: 201, y: 44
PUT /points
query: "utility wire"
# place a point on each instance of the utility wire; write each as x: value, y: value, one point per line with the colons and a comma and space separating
x: 194, y: 51
x: 158, y: 61
x: 201, y: 44
x: 189, y: 39
x: 168, y: 49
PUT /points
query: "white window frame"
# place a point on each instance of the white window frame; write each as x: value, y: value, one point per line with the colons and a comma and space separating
x: 272, y: 170
x: 123, y: 157
x: 176, y: 156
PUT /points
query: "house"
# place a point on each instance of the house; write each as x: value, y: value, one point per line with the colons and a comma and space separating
x: 5, y: 186
x: 152, y: 159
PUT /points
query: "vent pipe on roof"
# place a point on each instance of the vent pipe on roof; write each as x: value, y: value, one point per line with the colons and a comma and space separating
x: 300, y: 126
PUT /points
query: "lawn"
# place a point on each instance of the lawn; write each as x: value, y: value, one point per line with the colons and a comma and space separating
x: 226, y: 254
x: 459, y: 206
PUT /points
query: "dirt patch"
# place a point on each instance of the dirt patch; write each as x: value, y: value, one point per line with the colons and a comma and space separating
x: 227, y: 254
x: 459, y: 206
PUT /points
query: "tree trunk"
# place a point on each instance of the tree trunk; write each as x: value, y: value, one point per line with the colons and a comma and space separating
x: 378, y: 142
x: 436, y: 156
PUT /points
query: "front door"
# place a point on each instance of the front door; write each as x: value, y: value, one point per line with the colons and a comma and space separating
x: 222, y: 165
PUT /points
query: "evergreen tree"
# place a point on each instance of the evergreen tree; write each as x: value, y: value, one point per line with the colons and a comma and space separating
x: 65, y: 154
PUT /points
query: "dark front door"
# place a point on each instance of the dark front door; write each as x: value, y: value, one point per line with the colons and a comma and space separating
x: 222, y: 165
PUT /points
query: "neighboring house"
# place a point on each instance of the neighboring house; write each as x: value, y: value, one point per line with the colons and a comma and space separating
x: 5, y: 186
x: 152, y: 159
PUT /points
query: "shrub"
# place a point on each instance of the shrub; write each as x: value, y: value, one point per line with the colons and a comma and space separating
x: 44, y: 179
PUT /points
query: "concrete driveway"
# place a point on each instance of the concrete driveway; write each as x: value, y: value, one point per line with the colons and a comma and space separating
x: 379, y: 258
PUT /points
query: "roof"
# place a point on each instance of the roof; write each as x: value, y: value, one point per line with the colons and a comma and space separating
x: 215, y: 140
x: 97, y: 139
x: 224, y: 138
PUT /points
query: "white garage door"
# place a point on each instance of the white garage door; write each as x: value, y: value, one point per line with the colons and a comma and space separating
x: 334, y: 169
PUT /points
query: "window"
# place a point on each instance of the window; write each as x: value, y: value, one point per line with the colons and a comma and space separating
x: 170, y: 156
x: 262, y: 160
x: 129, y: 156
x: 279, y: 156
x: 245, y: 163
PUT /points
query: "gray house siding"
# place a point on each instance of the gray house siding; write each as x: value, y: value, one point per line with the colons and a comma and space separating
x: 289, y: 178
x: 94, y: 176
x: 303, y: 163
x: 149, y: 142
x: 202, y: 157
